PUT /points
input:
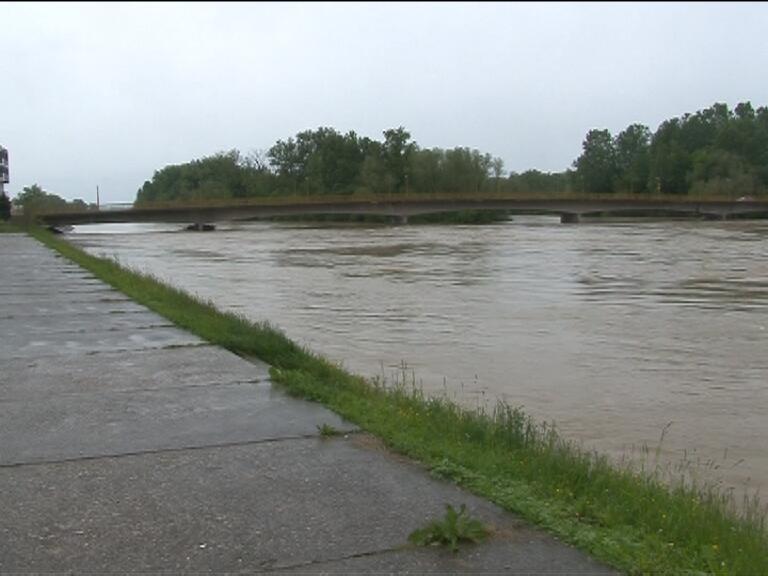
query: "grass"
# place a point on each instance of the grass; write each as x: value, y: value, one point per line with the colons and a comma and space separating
x: 8, y: 227
x: 635, y: 522
x: 455, y: 527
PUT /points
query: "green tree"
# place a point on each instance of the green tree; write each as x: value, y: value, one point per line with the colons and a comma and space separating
x: 720, y: 172
x: 223, y: 175
x: 465, y: 171
x: 760, y: 152
x: 713, y: 151
x: 670, y: 161
x: 497, y: 166
x: 289, y: 164
x: 33, y: 200
x: 536, y: 182
x: 596, y: 167
x: 397, y: 149
x: 373, y: 175
x: 426, y: 170
x: 321, y: 161
x: 632, y: 147
x: 335, y: 161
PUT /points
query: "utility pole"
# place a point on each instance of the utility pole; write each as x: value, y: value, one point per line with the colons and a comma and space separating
x: 98, y: 204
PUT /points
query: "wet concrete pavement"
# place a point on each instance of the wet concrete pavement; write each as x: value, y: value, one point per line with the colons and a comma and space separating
x: 128, y: 445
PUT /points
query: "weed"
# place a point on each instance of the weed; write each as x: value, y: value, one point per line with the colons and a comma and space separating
x: 328, y: 431
x: 455, y: 527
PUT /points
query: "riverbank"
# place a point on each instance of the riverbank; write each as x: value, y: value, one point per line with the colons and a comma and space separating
x: 634, y: 523
x: 130, y: 445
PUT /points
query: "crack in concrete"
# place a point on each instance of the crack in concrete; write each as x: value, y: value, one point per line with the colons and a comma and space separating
x: 320, y: 562
x: 78, y: 313
x: 55, y: 393
x: 296, y: 437
x: 75, y: 353
x: 111, y: 329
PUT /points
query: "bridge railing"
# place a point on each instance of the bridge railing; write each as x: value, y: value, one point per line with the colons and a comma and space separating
x: 290, y: 199
x: 107, y: 206
x: 410, y: 204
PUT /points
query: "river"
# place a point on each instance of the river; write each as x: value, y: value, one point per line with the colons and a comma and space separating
x: 617, y: 331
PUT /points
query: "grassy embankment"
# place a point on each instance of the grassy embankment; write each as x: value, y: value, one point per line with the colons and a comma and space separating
x: 633, y: 522
x: 9, y: 227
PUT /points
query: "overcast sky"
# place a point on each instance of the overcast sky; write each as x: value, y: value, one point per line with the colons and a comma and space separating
x: 105, y: 94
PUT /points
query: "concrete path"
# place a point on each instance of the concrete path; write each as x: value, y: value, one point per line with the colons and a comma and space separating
x: 128, y: 445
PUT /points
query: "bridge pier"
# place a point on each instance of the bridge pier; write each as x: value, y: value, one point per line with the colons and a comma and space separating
x: 200, y: 227
x: 570, y: 218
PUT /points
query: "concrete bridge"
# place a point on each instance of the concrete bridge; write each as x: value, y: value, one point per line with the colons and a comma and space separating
x: 569, y: 209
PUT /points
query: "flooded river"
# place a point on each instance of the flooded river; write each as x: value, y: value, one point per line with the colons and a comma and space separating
x: 613, y: 330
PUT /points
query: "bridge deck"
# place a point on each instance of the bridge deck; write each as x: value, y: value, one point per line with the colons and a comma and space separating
x: 407, y: 207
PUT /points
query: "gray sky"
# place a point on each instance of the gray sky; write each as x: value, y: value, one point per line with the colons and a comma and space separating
x: 108, y: 93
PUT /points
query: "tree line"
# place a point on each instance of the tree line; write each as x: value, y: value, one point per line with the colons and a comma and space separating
x: 325, y: 161
x: 715, y: 151
x: 33, y: 200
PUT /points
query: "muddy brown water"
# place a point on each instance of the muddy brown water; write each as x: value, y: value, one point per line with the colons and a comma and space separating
x: 614, y: 330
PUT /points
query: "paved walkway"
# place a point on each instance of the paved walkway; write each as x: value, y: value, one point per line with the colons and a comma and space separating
x: 128, y: 445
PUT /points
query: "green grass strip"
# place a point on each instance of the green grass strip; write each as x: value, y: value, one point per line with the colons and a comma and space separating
x: 9, y: 228
x: 634, y: 522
